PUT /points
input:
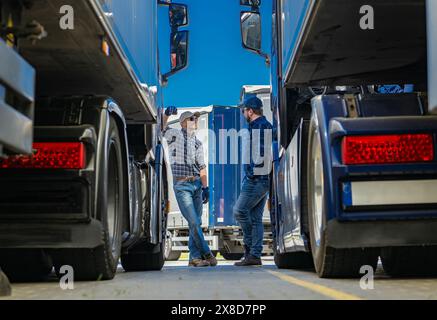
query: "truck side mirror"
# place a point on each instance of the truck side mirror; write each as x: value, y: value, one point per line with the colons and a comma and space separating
x: 178, y: 50
x: 250, y: 25
x: 178, y: 15
x: 251, y: 3
x: 251, y: 30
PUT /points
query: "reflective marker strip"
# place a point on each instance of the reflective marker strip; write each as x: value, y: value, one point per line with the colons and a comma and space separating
x: 397, y: 192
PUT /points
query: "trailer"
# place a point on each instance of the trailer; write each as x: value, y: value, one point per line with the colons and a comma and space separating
x: 82, y: 172
x: 354, y: 172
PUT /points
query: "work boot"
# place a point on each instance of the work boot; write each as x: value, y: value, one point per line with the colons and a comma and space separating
x: 248, y: 260
x: 198, y: 263
x: 211, y: 259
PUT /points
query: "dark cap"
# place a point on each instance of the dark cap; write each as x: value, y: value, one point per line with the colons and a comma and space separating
x: 252, y: 103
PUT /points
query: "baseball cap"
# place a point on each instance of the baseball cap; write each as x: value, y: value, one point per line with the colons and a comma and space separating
x: 188, y: 114
x: 251, y: 103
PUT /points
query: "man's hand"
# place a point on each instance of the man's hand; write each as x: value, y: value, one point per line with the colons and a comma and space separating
x: 171, y: 110
x: 167, y: 113
x: 205, y: 195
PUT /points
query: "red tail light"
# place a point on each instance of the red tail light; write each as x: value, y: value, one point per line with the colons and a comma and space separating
x: 402, y: 148
x: 50, y: 155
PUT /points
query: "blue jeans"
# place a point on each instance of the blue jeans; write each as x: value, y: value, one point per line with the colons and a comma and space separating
x: 189, y: 198
x: 248, y: 211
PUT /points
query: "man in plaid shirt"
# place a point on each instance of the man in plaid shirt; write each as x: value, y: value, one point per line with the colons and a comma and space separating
x: 190, y: 181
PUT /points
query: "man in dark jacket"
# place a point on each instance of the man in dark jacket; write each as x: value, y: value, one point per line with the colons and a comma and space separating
x: 249, y: 207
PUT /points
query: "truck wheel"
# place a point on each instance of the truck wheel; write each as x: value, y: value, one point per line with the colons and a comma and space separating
x: 410, y: 261
x: 329, y: 262
x: 231, y: 256
x: 170, y: 255
x: 101, y: 263
x: 145, y: 256
x: 294, y: 260
x: 25, y: 264
x: 5, y: 286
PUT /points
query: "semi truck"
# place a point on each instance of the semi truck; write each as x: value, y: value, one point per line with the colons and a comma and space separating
x: 82, y: 171
x: 354, y: 173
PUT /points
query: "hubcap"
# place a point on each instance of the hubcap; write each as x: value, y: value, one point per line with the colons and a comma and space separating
x: 167, y: 248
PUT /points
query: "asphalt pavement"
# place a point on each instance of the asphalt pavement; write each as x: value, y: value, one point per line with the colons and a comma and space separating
x: 177, y: 281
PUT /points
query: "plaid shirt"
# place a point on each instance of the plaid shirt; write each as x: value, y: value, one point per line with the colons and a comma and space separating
x: 186, y: 153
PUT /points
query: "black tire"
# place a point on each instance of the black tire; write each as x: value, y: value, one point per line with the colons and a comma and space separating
x: 294, y: 260
x: 5, y: 286
x: 328, y: 262
x: 25, y: 265
x: 101, y: 263
x: 410, y: 261
x: 144, y: 256
x: 231, y: 256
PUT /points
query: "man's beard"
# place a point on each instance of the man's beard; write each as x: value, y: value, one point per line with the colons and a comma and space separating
x: 192, y: 131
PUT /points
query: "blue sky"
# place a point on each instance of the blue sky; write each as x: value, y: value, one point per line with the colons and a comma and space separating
x: 218, y: 66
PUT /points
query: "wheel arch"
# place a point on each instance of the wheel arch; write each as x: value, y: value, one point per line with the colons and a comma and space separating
x: 324, y: 108
x: 113, y: 110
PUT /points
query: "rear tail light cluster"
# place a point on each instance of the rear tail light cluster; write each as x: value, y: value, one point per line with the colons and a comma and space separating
x: 49, y: 155
x: 382, y: 149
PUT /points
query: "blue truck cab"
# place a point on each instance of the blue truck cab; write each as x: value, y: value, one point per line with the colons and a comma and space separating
x: 354, y: 169
x: 82, y: 172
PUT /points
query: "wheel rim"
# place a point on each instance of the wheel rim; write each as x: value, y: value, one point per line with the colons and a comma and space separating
x: 317, y: 192
x: 168, y: 245
x: 113, y: 200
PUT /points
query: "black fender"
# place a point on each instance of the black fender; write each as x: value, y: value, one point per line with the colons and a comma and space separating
x: 107, y: 109
x: 157, y: 195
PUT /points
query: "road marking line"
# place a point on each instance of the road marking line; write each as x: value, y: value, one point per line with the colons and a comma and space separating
x: 328, y: 292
